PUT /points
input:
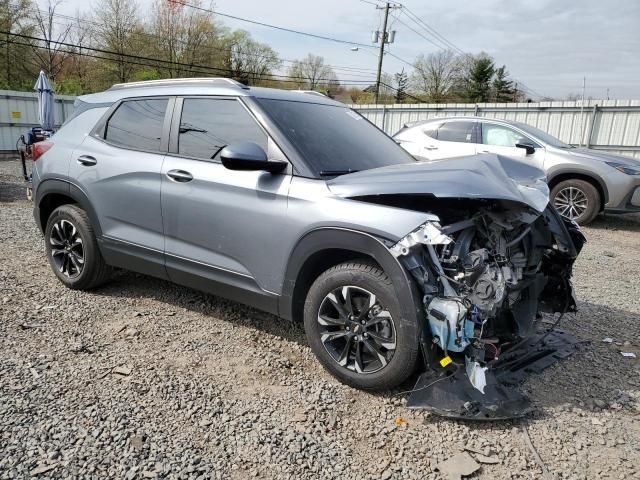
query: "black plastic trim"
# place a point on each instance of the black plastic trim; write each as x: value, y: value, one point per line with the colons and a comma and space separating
x: 338, y: 238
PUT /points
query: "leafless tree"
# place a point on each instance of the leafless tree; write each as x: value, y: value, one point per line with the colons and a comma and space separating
x: 436, y: 74
x: 250, y: 61
x: 312, y: 72
x: 51, y: 52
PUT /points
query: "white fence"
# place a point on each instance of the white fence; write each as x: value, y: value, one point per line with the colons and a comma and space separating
x: 611, y: 125
x: 19, y: 112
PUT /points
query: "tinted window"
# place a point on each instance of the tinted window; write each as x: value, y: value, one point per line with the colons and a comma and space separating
x: 501, y: 136
x: 137, y: 124
x: 333, y: 138
x: 457, y: 132
x: 208, y: 125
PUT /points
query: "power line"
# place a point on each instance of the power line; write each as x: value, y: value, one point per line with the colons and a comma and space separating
x: 262, y: 24
x: 149, y: 34
x: 298, y: 32
x: 169, y: 63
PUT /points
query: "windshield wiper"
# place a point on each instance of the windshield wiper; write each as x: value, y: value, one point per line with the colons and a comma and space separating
x: 335, y: 173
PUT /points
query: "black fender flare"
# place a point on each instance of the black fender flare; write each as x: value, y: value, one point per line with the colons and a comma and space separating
x: 338, y: 238
x: 583, y: 173
x: 58, y: 186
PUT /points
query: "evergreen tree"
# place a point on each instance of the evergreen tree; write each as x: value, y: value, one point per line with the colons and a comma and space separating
x: 402, y: 83
x: 479, y: 81
x: 503, y: 87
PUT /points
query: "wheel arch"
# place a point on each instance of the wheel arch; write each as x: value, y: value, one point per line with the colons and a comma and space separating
x: 593, y: 179
x: 323, y: 248
x: 54, y: 193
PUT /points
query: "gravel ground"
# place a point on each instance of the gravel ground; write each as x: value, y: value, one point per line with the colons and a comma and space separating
x: 144, y: 379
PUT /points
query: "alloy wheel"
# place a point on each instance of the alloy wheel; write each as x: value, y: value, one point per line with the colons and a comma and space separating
x: 356, y: 329
x: 571, y: 202
x: 67, y: 249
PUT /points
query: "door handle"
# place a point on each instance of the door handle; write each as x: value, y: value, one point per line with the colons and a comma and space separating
x: 484, y: 151
x: 87, y: 160
x: 179, y: 176
x: 430, y: 147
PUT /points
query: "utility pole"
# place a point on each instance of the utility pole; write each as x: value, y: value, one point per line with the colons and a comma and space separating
x: 384, y: 38
x: 584, y: 85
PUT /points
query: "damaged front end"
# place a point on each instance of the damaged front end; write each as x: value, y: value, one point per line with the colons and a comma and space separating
x: 487, y: 275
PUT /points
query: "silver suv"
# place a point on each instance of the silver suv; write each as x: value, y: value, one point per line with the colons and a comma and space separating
x: 295, y: 204
x: 583, y: 181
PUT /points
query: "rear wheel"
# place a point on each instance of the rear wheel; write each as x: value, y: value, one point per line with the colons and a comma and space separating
x: 577, y: 200
x: 72, y: 249
x: 353, y: 324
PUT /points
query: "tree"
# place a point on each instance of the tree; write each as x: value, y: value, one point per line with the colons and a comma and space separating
x: 15, y: 18
x: 435, y: 75
x: 117, y: 24
x: 312, y: 72
x: 50, y: 53
x: 402, y: 83
x: 479, y: 79
x: 189, y: 37
x: 250, y: 61
x: 503, y: 87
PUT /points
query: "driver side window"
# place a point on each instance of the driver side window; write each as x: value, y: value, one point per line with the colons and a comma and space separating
x: 500, y: 136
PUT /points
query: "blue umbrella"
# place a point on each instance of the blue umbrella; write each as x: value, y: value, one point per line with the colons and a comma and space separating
x: 45, y: 101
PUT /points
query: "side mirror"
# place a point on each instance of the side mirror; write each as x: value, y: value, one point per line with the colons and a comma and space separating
x: 530, y: 149
x: 249, y: 156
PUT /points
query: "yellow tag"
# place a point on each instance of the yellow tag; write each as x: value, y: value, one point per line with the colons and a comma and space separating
x: 445, y: 361
x: 16, y: 115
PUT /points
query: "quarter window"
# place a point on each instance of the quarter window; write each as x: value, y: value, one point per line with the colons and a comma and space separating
x: 137, y: 124
x: 208, y: 125
x: 462, y: 132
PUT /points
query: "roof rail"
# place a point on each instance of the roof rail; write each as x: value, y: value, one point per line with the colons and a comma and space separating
x: 312, y: 92
x: 167, y: 82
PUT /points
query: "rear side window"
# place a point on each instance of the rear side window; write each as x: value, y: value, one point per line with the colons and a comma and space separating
x: 137, y: 124
x: 462, y: 132
x: 208, y: 125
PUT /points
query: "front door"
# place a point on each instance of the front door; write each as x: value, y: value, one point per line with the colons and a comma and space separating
x: 502, y: 140
x: 222, y: 227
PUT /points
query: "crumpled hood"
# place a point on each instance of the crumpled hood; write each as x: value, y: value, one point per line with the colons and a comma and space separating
x: 601, y: 156
x: 487, y: 176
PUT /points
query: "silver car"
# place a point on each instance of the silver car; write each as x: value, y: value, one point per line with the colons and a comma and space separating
x: 583, y: 182
x: 294, y: 204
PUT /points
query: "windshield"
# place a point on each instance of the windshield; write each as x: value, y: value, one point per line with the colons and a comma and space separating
x: 542, y: 135
x: 333, y: 140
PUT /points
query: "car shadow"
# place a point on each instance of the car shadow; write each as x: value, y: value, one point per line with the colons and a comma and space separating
x: 12, y: 192
x: 596, y: 374
x: 627, y: 221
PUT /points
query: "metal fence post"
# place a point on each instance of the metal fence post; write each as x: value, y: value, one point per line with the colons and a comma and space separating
x: 384, y: 118
x: 594, y: 114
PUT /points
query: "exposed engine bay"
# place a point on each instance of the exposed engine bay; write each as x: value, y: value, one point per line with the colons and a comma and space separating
x: 486, y: 277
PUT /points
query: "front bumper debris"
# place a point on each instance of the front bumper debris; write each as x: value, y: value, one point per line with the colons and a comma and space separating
x: 449, y: 393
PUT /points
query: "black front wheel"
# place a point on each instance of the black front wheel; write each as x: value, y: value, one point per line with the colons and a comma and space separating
x: 354, y: 326
x: 72, y: 249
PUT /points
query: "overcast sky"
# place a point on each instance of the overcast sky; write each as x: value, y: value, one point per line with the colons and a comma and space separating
x: 547, y: 44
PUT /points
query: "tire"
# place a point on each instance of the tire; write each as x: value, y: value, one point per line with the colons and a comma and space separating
x: 385, y: 330
x: 569, y: 197
x: 72, y: 249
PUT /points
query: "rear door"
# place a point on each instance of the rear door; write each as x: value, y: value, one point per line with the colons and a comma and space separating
x: 221, y: 225
x: 118, y: 167
x: 502, y: 140
x: 455, y: 138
